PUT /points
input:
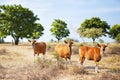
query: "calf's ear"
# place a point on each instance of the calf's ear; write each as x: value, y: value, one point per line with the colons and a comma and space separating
x: 65, y: 41
x: 29, y: 40
x: 98, y: 45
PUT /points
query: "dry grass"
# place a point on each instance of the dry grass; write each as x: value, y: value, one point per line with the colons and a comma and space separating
x: 16, y: 63
x: 74, y: 70
x: 113, y: 48
x: 113, y: 59
x: 107, y: 76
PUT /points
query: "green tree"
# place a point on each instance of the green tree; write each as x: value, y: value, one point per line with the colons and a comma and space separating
x: 118, y: 38
x: 92, y: 33
x: 59, y: 29
x: 19, y: 22
x: 2, y: 36
x: 115, y: 32
x: 93, y: 28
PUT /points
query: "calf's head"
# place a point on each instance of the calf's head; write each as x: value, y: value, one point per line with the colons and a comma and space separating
x: 102, y: 47
x: 32, y: 41
x: 69, y: 42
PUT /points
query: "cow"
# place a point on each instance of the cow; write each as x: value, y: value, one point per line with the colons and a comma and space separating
x: 38, y: 47
x: 64, y: 50
x: 92, y: 53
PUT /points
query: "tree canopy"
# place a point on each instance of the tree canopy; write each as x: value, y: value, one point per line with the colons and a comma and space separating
x: 59, y: 29
x: 93, y: 28
x: 19, y: 22
x: 115, y: 32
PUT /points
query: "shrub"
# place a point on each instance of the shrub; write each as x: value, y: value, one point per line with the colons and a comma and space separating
x: 43, y: 63
x: 77, y: 70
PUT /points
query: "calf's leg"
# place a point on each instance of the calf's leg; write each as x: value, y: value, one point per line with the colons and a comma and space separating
x: 82, y: 59
x: 96, y: 67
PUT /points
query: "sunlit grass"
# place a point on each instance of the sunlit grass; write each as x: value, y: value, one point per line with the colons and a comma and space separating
x: 115, y: 69
x: 113, y: 59
x: 74, y: 70
x: 107, y: 76
x: 19, y: 65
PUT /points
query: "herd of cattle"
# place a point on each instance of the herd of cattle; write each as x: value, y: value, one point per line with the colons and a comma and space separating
x: 65, y: 51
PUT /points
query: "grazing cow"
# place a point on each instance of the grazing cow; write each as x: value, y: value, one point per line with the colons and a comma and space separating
x: 92, y: 53
x: 64, y: 50
x: 38, y: 47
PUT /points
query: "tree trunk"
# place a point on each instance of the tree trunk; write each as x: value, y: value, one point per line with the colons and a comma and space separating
x: 16, y: 40
x: 93, y: 40
x: 58, y: 39
x: 1, y: 40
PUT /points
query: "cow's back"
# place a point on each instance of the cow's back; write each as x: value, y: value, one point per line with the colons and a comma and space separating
x: 90, y: 53
x: 62, y: 49
x: 83, y: 50
x: 40, y: 47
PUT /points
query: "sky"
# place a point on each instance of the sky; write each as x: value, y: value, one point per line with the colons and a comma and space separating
x: 73, y: 12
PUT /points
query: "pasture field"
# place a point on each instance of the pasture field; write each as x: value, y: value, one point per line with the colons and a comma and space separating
x: 17, y: 63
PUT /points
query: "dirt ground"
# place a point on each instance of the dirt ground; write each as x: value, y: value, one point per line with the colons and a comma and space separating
x: 17, y: 63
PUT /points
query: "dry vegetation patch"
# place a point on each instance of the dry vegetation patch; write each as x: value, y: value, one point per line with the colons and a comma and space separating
x: 107, y: 76
x: 113, y: 48
x: 74, y: 70
x: 16, y: 63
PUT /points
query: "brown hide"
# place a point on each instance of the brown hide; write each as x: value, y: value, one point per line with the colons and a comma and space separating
x: 91, y: 53
x: 39, y: 47
x: 64, y: 50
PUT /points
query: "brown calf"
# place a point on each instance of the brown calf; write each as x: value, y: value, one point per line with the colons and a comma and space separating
x: 38, y: 47
x: 92, y: 53
x: 64, y: 50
